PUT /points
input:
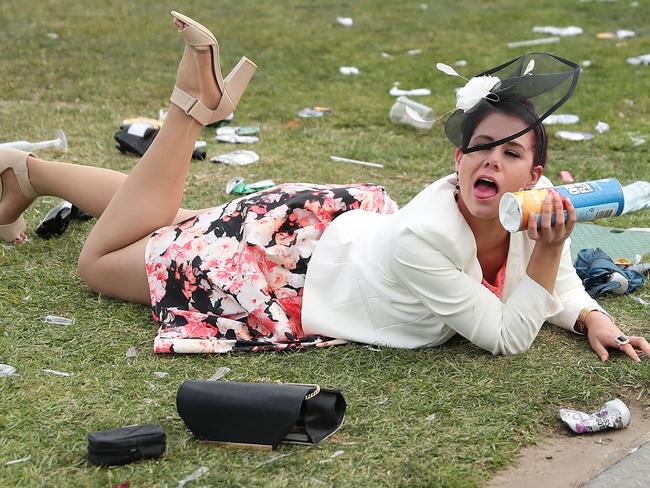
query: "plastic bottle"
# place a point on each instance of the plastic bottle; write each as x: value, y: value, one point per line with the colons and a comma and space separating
x: 399, y: 116
x: 636, y: 196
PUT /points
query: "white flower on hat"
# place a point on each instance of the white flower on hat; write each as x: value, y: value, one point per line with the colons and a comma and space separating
x: 474, y: 91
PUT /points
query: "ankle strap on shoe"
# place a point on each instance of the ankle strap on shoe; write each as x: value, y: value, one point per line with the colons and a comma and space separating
x: 192, y: 106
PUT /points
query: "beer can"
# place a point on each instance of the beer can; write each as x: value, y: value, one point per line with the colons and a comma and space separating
x: 592, y: 200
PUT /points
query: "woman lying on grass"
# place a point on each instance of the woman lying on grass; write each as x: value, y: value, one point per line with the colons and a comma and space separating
x: 310, y: 265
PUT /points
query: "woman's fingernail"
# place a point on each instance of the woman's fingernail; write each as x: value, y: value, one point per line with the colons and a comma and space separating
x: 603, y: 358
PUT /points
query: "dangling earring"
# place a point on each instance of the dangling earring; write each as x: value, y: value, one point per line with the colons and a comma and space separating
x: 457, y: 191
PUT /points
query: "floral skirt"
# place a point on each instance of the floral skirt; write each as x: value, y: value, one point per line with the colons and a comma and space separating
x: 231, y: 278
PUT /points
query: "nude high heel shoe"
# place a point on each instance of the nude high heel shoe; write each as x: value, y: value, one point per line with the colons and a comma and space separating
x: 231, y: 88
x: 17, y: 161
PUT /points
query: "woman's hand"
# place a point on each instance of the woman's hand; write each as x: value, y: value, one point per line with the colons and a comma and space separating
x: 556, y: 234
x: 602, y: 334
x: 549, y: 239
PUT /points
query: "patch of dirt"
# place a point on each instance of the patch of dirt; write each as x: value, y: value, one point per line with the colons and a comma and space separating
x: 569, y: 460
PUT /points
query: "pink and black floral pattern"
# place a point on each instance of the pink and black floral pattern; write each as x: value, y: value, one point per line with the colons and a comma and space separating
x: 231, y: 278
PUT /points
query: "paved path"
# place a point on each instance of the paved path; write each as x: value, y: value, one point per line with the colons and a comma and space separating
x: 633, y: 471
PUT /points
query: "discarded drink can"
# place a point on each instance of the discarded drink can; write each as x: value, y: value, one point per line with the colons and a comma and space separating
x: 592, y: 200
x: 54, y: 319
x: 613, y: 415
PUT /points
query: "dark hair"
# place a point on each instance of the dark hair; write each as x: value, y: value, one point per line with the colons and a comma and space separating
x: 519, y: 107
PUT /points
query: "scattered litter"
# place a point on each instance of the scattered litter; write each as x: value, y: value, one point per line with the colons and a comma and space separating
x: 639, y: 300
x: 566, y: 176
x: 563, y: 119
x: 132, y: 352
x: 571, y: 30
x: 414, y: 52
x: 309, y: 112
x: 586, y: 63
x: 235, y: 139
x: 349, y: 70
x: 424, y: 6
x: 355, y: 161
x: 637, y: 141
x: 7, y: 370
x: 333, y: 456
x: 402, y: 113
x: 574, y: 136
x: 386, y: 56
x: 238, y: 186
x: 613, y: 415
x: 602, y: 127
x: 16, y: 461
x: 55, y: 319
x: 345, y: 21
x: 461, y: 62
x: 636, y: 196
x: 195, y: 475
x: 60, y: 142
x: 534, y: 42
x: 52, y: 35
x: 316, y: 481
x: 431, y: 417
x: 57, y: 373
x: 236, y: 158
x: 274, y: 458
x: 619, y: 34
x: 219, y: 373
x: 374, y: 348
x: 643, y: 59
x: 416, y: 92
x: 161, y: 374
x: 239, y: 131
x: 149, y: 401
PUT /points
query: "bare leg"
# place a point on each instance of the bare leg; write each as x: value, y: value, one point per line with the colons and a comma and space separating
x: 112, y: 259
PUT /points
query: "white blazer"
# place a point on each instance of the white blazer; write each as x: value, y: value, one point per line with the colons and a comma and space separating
x: 412, y: 279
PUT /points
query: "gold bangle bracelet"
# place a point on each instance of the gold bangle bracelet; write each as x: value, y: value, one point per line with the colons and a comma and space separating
x: 580, y: 325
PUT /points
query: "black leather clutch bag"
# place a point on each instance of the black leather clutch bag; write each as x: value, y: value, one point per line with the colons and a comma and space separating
x: 259, y: 414
x: 127, y: 444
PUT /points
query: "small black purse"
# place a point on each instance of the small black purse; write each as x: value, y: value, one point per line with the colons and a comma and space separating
x: 127, y: 444
x: 259, y: 414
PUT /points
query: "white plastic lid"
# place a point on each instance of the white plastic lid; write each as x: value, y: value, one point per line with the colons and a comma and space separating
x: 619, y: 406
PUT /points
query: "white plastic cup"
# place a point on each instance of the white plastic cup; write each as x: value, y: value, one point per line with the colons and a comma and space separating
x: 399, y: 116
x: 613, y: 415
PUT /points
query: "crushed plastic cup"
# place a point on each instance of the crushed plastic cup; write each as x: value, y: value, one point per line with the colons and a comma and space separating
x: 314, y: 112
x: 602, y: 127
x: 238, y: 186
x: 219, y: 373
x: 236, y: 158
x: 571, y: 30
x: 562, y: 119
x: 612, y: 415
x: 345, y: 21
x: 637, y: 60
x: 415, y: 92
x: 7, y: 370
x: 534, y: 42
x: 349, y: 70
x: 236, y: 139
x: 574, y: 136
x: 408, y: 112
x: 239, y: 131
x: 55, y: 319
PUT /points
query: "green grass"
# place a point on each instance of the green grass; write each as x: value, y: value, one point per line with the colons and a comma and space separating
x: 114, y: 60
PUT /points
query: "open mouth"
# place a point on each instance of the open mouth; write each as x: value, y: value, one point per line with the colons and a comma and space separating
x: 485, y: 188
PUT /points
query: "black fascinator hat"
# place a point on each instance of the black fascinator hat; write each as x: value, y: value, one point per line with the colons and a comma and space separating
x: 534, y: 84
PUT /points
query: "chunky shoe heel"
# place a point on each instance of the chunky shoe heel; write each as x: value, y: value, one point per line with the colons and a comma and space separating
x: 17, y: 161
x: 231, y: 88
